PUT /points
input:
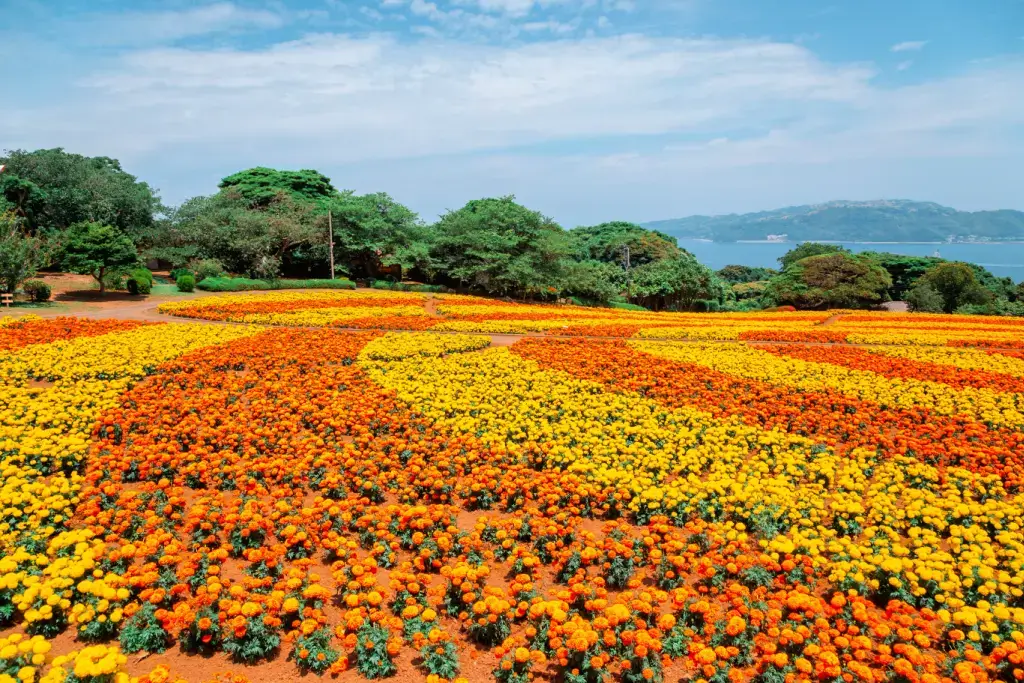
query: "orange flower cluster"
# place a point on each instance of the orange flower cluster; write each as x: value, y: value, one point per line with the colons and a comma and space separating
x: 19, y: 333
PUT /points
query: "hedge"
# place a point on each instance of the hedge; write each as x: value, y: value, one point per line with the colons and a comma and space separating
x: 243, y: 284
x: 402, y: 287
x: 622, y: 305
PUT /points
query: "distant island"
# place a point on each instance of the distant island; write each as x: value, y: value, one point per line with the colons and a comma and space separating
x: 885, y: 220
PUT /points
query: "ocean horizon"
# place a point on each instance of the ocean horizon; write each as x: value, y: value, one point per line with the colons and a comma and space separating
x: 1004, y: 259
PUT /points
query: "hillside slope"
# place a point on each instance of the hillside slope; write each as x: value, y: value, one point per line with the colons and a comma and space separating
x: 896, y: 220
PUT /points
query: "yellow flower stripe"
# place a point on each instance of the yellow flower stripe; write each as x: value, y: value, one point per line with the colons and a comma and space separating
x: 395, y: 345
x: 502, y: 326
x: 965, y: 358
x: 120, y: 354
x: 745, y: 361
x: 927, y: 337
x: 322, y: 317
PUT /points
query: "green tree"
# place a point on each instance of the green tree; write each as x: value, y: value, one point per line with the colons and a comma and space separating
x: 957, y: 284
x: 261, y: 186
x: 53, y: 189
x: 903, y: 270
x: 20, y: 254
x: 923, y: 298
x: 594, y: 282
x: 255, y: 240
x: 372, y: 230
x: 501, y: 247
x: 734, y: 274
x: 607, y: 243
x: 94, y: 248
x: 676, y: 283
x: 805, y: 249
x: 831, y: 280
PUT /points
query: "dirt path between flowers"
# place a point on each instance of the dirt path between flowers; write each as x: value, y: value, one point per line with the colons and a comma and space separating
x: 833, y: 319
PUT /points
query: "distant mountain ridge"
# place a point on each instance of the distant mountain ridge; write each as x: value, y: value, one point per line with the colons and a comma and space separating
x: 882, y: 220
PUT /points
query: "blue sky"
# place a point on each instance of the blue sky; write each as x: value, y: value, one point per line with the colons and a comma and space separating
x: 588, y: 110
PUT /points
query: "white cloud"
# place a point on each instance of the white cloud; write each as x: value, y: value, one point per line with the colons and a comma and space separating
x: 550, y: 26
x: 909, y: 46
x: 903, y: 66
x: 512, y: 8
x: 146, y: 28
x: 335, y: 101
x: 373, y: 97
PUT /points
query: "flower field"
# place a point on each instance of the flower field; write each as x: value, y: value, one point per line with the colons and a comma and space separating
x: 619, y: 496
x: 386, y: 310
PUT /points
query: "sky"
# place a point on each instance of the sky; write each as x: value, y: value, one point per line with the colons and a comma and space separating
x: 587, y: 110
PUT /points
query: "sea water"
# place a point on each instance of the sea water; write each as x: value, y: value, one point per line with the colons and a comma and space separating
x: 1005, y: 259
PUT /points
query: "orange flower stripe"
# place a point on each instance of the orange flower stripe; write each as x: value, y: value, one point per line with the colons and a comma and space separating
x: 16, y: 333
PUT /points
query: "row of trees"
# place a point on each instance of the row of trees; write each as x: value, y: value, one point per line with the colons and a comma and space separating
x: 89, y: 215
x: 268, y: 223
x: 816, y: 275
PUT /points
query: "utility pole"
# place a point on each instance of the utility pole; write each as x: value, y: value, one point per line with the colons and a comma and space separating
x: 629, y: 276
x: 330, y: 242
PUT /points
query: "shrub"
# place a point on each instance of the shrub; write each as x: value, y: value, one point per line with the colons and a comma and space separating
x: 440, y: 659
x: 314, y: 652
x: 622, y: 305
x: 405, y: 287
x: 255, y: 642
x: 38, y: 290
x: 207, y: 268
x: 997, y: 307
x: 143, y: 632
x: 186, y: 283
x: 229, y: 284
x: 113, y: 279
x: 923, y: 298
x: 373, y: 653
x: 706, y: 306
x: 140, y: 281
x: 178, y: 272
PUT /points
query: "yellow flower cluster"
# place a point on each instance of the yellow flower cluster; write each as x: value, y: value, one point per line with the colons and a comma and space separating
x: 133, y: 353
x: 396, y: 345
x: 98, y: 662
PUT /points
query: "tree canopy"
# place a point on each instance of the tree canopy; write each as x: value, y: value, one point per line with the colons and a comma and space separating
x: 52, y: 190
x: 805, y: 249
x: 254, y: 240
x: 830, y: 280
x: 372, y: 230
x: 735, y: 274
x: 92, y: 248
x: 956, y: 285
x: 20, y: 254
x: 607, y: 242
x: 266, y: 223
x: 261, y: 186
x: 501, y: 247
